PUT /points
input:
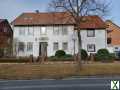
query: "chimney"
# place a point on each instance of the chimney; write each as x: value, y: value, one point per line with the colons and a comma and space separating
x: 37, y: 11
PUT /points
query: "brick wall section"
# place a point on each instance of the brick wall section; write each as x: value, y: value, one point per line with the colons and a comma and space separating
x: 6, y: 34
x: 113, y: 32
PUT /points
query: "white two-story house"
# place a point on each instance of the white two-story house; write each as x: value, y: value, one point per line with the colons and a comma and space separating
x: 37, y: 33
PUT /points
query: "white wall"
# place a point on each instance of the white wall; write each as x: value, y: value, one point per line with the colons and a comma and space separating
x: 35, y: 38
x: 113, y: 48
x: 100, y: 40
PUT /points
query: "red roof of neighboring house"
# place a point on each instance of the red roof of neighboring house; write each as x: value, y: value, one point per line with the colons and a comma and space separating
x: 58, y: 19
x: 92, y: 22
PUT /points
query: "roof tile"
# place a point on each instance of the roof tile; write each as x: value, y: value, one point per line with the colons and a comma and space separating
x: 57, y: 19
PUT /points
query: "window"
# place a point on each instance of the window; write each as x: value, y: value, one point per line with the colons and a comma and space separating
x: 28, y: 18
x: 55, y: 46
x: 116, y: 48
x: 91, y: 33
x: 56, y: 30
x: 64, y: 30
x: 109, y: 40
x: 5, y: 29
x: 29, y: 46
x: 91, y: 47
x: 21, y: 46
x: 43, y: 30
x: 30, y: 31
x: 65, y: 46
x: 22, y: 31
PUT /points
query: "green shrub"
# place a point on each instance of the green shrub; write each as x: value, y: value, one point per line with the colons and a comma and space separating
x: 104, y: 55
x: 66, y: 57
x: 112, y: 56
x: 84, y: 54
x: 60, y: 53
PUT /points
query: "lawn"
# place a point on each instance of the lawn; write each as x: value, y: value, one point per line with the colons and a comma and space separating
x: 56, y: 70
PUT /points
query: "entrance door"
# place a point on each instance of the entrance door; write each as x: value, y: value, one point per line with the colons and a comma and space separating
x: 43, y: 49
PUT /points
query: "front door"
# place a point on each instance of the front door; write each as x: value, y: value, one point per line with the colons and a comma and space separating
x: 43, y: 49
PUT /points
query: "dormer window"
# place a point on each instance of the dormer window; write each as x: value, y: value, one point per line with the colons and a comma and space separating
x: 28, y: 18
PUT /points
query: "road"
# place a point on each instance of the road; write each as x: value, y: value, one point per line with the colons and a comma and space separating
x: 93, y: 83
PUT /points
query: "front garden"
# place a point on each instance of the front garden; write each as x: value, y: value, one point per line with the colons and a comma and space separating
x: 60, y: 66
x: 102, y: 55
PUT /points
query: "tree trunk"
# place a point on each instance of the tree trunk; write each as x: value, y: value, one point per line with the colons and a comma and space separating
x: 79, y: 48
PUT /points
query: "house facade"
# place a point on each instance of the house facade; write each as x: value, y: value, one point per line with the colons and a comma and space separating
x: 113, y: 37
x: 6, y: 36
x: 38, y: 33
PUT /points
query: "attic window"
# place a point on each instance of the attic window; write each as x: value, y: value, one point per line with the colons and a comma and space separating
x: 84, y: 19
x: 28, y: 18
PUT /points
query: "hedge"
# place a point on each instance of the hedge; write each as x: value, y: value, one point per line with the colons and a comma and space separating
x: 60, y: 53
x: 14, y: 60
x: 66, y: 57
x: 104, y: 55
x: 84, y: 54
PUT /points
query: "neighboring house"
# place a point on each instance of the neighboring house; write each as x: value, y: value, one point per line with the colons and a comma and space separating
x: 6, y: 36
x: 113, y: 36
x: 37, y: 33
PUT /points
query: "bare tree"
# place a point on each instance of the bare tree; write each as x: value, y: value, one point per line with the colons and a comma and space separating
x: 79, y: 8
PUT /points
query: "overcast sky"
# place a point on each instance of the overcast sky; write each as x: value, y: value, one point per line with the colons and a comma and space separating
x: 10, y: 9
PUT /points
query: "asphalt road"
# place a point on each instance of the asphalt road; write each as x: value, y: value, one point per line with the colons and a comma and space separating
x: 93, y: 83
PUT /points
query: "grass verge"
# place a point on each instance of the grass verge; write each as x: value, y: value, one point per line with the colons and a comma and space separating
x: 56, y: 71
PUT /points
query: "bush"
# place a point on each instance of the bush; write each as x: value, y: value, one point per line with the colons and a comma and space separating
x: 84, y: 54
x: 66, y: 57
x: 60, y: 53
x: 112, y: 56
x: 104, y: 55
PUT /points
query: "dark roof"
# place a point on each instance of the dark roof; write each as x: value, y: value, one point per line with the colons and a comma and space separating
x: 57, y: 19
x: 1, y: 20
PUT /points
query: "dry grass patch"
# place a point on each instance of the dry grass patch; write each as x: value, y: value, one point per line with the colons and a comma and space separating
x: 100, y: 69
x: 28, y: 71
x: 56, y: 70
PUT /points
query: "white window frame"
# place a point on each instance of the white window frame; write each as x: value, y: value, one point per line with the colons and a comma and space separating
x: 30, y: 30
x: 56, y: 30
x: 64, y: 30
x: 43, y: 30
x: 22, y: 31
x: 29, y: 46
x: 91, y: 48
x: 90, y: 33
x: 55, y: 46
x: 65, y: 47
x: 21, y: 48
